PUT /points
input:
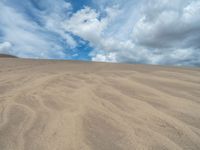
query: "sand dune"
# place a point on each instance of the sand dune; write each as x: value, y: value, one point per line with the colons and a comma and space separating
x: 71, y: 105
x: 7, y: 56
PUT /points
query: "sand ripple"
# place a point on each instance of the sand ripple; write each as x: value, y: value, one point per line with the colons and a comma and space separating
x: 66, y: 105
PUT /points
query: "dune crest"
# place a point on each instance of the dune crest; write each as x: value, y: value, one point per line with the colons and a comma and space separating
x: 7, y: 56
x: 69, y: 105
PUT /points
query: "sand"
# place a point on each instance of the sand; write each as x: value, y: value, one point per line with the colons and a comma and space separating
x: 71, y: 105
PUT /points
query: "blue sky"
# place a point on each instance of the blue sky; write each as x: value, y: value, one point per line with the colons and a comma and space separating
x: 124, y: 31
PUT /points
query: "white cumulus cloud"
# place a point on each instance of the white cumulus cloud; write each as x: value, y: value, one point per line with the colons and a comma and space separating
x: 146, y: 31
x: 5, y: 48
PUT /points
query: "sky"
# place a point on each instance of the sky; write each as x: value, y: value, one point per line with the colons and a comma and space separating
x: 164, y: 32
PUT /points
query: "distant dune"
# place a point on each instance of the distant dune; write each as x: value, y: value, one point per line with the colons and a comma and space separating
x: 7, y: 56
x: 71, y: 105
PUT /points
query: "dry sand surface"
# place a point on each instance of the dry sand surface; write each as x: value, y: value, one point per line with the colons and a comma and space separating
x: 70, y: 105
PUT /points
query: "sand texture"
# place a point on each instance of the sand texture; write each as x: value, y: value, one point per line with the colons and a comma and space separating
x: 71, y: 105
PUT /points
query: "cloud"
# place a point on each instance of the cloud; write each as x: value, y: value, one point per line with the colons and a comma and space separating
x: 86, y: 24
x: 105, y: 57
x: 5, y: 48
x: 149, y: 31
x: 90, y: 26
x: 167, y: 30
x: 35, y: 33
x: 145, y: 31
x: 167, y: 25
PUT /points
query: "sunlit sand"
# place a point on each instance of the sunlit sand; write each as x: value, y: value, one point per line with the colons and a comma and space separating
x: 72, y: 105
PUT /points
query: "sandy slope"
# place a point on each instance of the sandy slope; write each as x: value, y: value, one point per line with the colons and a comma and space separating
x: 66, y: 105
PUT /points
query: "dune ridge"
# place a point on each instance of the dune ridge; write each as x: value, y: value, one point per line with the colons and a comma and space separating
x: 7, y: 56
x: 69, y: 105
